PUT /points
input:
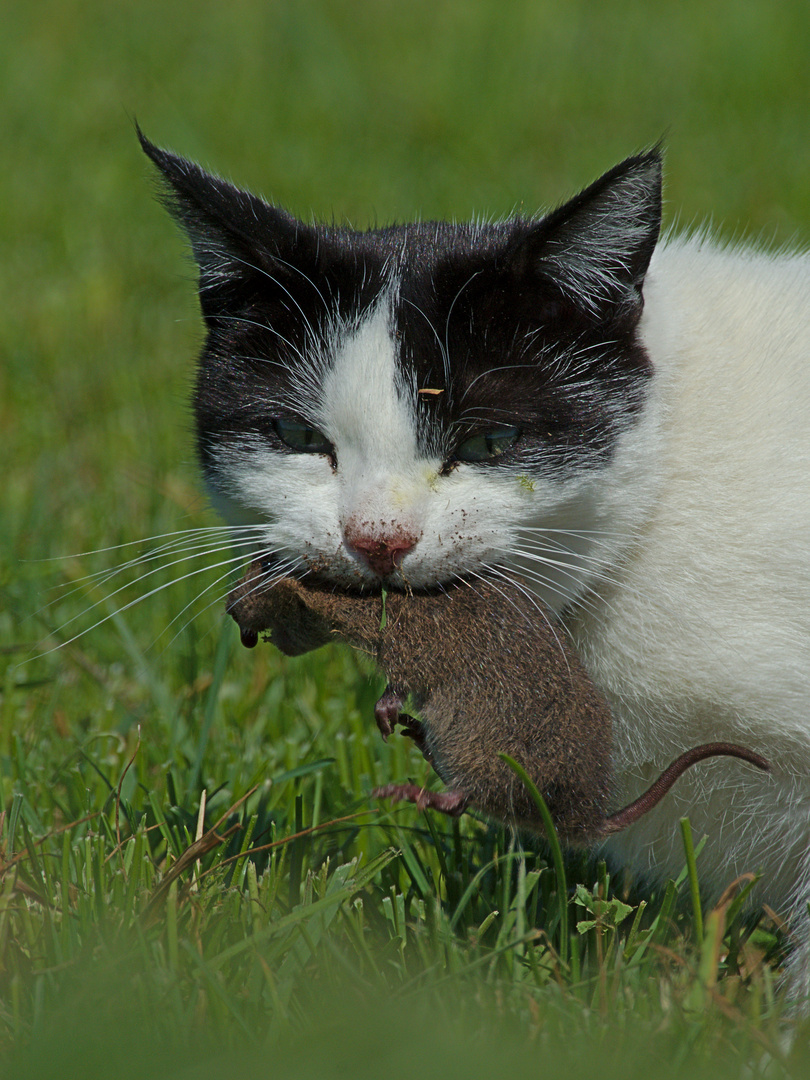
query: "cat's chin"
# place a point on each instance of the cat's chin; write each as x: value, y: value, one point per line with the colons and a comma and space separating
x: 372, y: 584
x: 352, y: 579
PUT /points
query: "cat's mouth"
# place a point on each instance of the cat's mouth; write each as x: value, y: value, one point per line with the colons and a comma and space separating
x: 262, y: 572
x: 388, y: 562
x: 261, y: 575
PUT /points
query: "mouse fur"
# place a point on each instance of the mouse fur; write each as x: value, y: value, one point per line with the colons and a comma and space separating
x: 490, y: 673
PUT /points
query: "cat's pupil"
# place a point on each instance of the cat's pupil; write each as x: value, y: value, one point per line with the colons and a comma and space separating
x: 302, y: 437
x: 488, y: 444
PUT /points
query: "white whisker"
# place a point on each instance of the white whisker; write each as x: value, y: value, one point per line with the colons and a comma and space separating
x: 534, y: 575
x: 446, y: 350
x: 277, y: 570
x: 493, y: 370
x: 144, y: 540
x: 569, y: 569
x: 310, y: 330
x: 442, y: 345
x: 507, y: 575
x: 201, y: 546
x: 139, y: 599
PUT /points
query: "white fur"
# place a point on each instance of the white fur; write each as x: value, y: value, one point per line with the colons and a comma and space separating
x: 704, y: 631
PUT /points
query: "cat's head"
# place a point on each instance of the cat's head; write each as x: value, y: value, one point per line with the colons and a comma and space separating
x: 407, y: 405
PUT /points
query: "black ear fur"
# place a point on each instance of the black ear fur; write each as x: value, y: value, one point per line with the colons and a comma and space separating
x: 595, y: 249
x: 236, y: 237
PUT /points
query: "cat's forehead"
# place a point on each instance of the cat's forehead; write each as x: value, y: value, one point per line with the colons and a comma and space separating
x: 429, y: 276
x: 420, y: 248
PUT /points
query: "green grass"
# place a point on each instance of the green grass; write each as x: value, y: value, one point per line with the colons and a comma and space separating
x: 367, y: 939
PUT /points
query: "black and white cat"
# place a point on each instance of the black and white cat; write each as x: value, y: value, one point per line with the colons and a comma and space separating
x: 624, y: 422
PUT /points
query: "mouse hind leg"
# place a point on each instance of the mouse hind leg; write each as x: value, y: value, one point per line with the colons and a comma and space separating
x: 388, y: 714
x: 452, y: 803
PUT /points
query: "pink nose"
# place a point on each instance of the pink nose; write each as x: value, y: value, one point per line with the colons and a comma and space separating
x: 383, y: 554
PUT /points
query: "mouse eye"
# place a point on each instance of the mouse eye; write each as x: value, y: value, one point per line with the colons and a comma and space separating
x: 488, y: 445
x: 302, y: 437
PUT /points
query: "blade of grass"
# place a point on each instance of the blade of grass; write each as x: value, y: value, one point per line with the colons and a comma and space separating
x: 694, y: 885
x: 556, y: 851
x: 224, y: 649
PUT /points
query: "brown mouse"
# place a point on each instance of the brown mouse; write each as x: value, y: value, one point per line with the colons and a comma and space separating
x: 490, y: 673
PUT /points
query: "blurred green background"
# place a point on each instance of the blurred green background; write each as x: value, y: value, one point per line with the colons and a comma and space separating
x: 366, y: 112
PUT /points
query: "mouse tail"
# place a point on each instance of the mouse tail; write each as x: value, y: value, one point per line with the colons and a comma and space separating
x: 652, y: 796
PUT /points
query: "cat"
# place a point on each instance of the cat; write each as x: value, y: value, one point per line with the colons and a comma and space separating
x: 621, y: 419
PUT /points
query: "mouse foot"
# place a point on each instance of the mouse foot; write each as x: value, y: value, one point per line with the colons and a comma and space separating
x: 387, y: 714
x: 415, y: 730
x: 452, y: 803
x: 386, y: 711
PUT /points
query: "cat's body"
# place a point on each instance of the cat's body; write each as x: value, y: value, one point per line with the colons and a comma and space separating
x: 627, y: 427
x: 705, y: 626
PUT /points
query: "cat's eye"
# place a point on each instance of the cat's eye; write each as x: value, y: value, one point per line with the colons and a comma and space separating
x: 488, y: 444
x: 302, y: 437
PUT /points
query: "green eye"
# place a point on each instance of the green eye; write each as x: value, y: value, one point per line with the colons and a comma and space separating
x: 488, y: 445
x: 301, y: 437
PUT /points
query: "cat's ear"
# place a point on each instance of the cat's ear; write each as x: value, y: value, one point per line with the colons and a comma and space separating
x: 593, y: 252
x: 239, y: 241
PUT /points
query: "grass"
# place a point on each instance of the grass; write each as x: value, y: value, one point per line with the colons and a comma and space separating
x: 310, y: 930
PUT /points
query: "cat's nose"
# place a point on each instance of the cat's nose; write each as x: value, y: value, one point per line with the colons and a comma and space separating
x: 382, y: 554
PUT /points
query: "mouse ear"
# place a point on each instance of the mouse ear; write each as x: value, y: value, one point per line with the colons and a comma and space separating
x: 239, y: 241
x: 594, y: 250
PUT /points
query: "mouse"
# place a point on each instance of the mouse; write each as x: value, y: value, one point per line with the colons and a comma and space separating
x: 490, y: 672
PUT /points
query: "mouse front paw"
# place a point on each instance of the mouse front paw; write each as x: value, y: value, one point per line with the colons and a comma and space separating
x: 387, y: 710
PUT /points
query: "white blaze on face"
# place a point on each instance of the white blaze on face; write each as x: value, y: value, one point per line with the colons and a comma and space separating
x: 368, y: 411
